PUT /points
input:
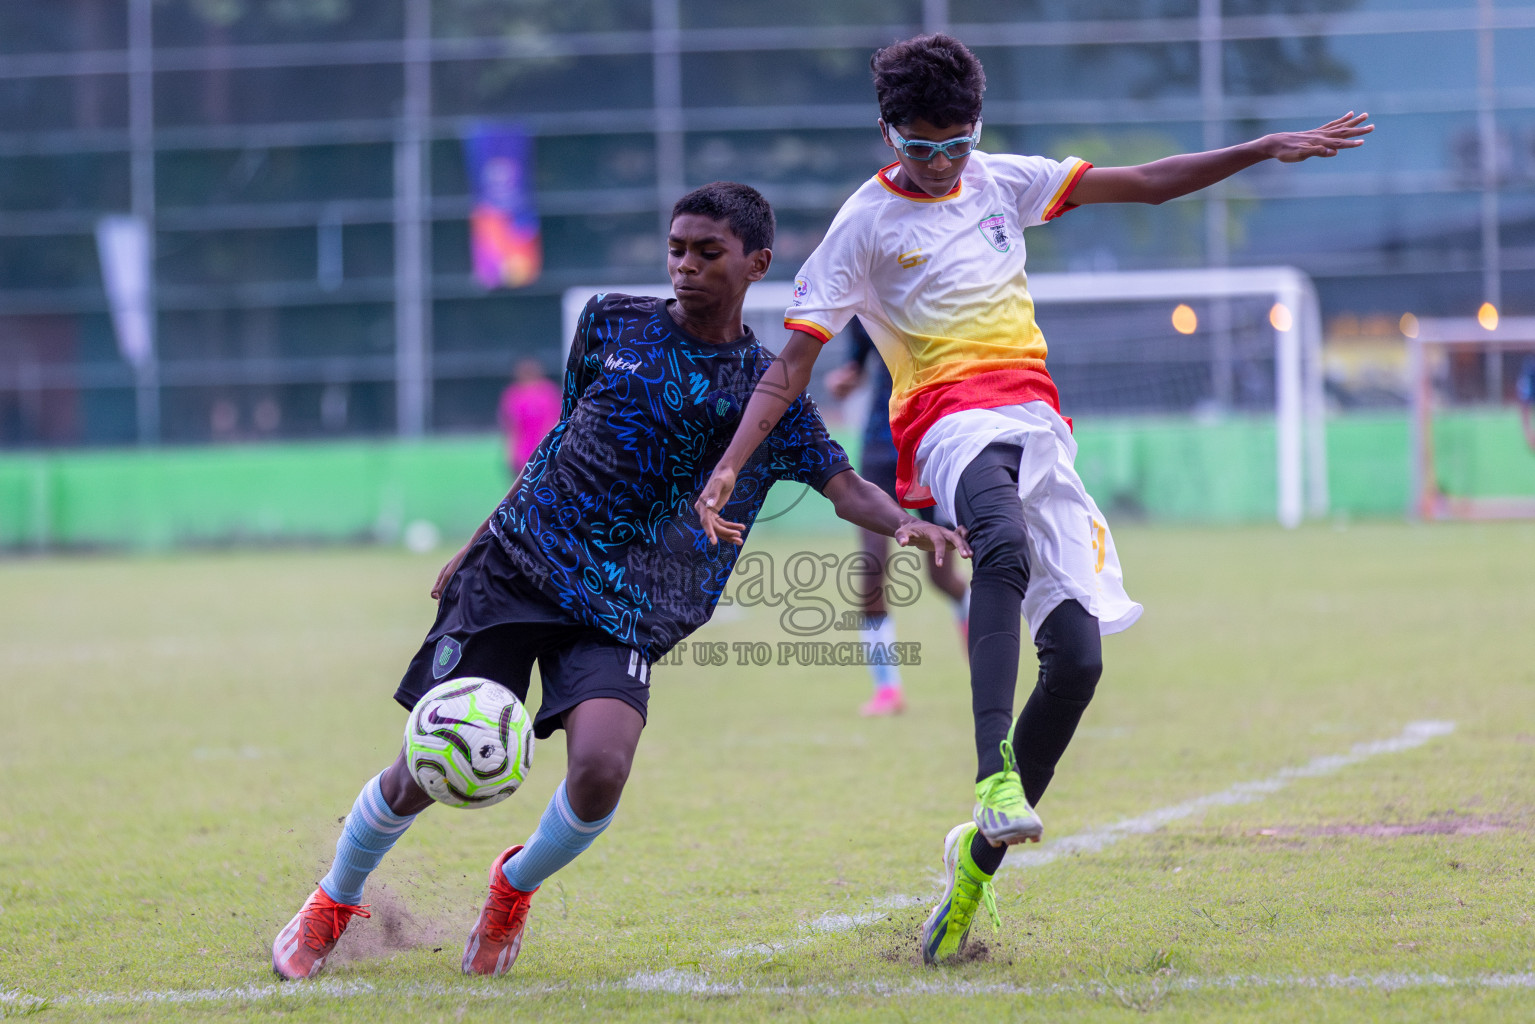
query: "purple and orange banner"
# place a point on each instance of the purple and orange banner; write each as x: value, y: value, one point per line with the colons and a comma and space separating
x: 503, y: 228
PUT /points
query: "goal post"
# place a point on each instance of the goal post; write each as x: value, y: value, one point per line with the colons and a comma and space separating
x: 1295, y: 321
x: 1461, y: 377
x: 1117, y: 338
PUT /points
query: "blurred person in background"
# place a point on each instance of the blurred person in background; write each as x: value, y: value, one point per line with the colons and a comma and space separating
x: 876, y: 464
x: 1525, y: 389
x: 529, y: 409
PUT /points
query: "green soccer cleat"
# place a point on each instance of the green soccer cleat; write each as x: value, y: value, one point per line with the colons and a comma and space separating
x: 1001, y: 811
x: 948, y: 926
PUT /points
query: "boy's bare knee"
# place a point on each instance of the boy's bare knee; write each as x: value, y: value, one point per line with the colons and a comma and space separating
x: 400, y: 790
x: 594, y: 782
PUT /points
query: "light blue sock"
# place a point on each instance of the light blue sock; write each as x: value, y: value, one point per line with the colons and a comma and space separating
x: 559, y: 839
x: 369, y: 833
x: 879, y: 630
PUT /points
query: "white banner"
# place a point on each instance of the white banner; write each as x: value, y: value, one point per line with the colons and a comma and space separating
x: 122, y: 242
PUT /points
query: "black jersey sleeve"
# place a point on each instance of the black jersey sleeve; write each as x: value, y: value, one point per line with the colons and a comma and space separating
x: 801, y: 449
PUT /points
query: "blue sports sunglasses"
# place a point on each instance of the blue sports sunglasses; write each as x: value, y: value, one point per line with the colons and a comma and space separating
x: 923, y: 150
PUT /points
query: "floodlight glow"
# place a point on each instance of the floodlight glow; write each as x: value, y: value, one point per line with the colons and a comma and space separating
x: 1185, y: 321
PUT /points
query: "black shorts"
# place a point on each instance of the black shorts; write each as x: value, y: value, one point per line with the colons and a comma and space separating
x: 492, y: 622
x: 878, y: 466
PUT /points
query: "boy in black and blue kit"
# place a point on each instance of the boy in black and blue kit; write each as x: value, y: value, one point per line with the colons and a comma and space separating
x: 595, y: 565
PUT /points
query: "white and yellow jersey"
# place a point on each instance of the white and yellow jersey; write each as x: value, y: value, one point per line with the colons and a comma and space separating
x: 939, y: 283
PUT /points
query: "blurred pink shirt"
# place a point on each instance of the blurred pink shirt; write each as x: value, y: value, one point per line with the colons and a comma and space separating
x: 528, y: 411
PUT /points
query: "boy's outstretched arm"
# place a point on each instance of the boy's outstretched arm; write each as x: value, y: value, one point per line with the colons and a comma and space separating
x: 1175, y: 176
x: 863, y: 504
x: 778, y: 389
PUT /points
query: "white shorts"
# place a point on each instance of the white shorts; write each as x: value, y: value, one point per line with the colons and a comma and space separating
x: 1070, y: 550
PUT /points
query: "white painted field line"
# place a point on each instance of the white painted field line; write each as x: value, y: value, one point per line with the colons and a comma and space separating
x: 1093, y: 840
x: 681, y: 982
x: 826, y: 924
x: 1414, y: 734
x: 689, y: 983
x: 302, y: 990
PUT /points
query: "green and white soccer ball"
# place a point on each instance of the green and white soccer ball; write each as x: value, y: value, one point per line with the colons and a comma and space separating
x: 469, y: 742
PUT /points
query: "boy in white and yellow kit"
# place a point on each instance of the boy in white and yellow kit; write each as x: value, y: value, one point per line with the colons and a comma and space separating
x: 929, y: 254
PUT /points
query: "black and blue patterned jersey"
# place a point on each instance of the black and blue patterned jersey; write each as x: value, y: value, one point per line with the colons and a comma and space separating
x: 602, y: 520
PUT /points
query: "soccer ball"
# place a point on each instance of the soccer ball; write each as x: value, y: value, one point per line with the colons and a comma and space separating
x: 469, y: 742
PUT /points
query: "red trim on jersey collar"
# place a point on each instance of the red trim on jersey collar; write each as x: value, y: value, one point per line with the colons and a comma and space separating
x: 920, y: 197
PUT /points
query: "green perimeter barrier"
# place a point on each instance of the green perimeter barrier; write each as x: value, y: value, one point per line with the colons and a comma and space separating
x: 291, y: 493
x: 1225, y: 471
x: 1483, y: 454
x: 1158, y: 470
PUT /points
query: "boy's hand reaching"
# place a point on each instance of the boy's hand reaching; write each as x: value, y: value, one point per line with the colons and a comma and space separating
x: 1293, y: 147
x: 929, y: 537
x: 711, y: 501
x: 1174, y: 176
x: 448, y: 570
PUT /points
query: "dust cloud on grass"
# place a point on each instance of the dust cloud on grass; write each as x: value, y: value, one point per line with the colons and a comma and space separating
x: 395, y: 927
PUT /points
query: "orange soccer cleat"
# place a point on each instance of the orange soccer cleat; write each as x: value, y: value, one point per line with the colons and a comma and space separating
x: 496, y: 938
x: 303, y: 945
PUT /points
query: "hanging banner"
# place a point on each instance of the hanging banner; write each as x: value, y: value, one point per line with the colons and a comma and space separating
x: 503, y: 229
x: 122, y: 244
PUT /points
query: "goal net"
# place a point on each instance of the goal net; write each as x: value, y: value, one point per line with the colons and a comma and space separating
x: 1470, y: 455
x: 1140, y: 350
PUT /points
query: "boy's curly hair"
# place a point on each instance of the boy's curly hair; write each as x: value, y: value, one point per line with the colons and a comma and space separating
x: 934, y: 77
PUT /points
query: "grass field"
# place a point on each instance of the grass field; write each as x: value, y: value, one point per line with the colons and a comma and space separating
x: 1248, y: 826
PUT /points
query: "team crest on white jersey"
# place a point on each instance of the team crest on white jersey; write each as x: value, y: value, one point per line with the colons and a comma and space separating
x: 993, y: 228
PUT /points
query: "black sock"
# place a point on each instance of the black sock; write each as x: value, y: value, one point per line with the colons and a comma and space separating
x: 987, y: 857
x: 1044, y: 728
